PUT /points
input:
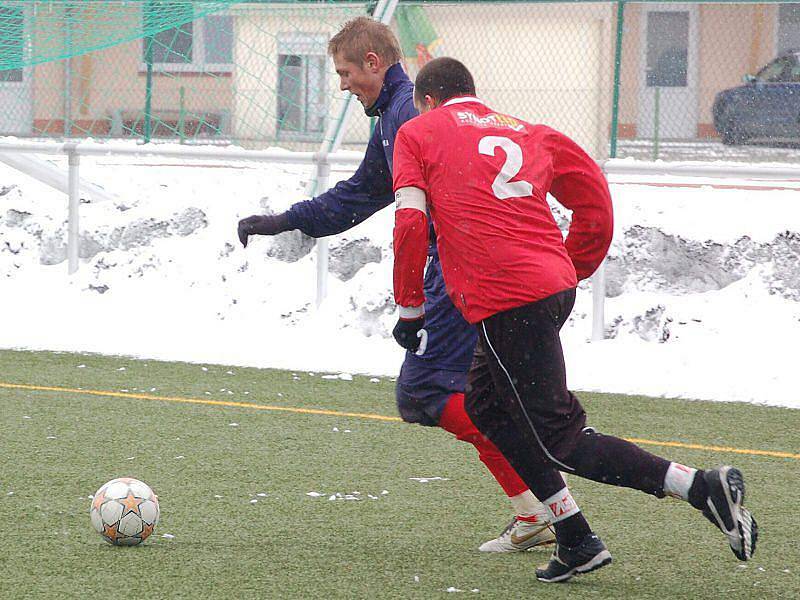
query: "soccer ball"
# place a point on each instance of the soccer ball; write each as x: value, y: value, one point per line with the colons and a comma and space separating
x: 124, y: 511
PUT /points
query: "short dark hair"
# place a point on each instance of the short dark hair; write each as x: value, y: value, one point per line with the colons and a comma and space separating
x: 443, y: 78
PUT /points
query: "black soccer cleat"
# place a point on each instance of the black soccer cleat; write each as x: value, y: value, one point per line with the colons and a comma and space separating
x: 589, y: 555
x: 724, y: 509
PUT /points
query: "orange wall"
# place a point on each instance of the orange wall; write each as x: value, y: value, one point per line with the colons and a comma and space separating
x: 112, y: 80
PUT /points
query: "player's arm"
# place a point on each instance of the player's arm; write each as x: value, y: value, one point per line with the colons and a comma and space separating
x: 579, y: 184
x: 345, y: 205
x: 410, y: 242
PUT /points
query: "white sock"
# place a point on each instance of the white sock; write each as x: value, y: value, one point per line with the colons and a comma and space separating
x: 527, y: 506
x: 678, y: 480
x: 561, y: 505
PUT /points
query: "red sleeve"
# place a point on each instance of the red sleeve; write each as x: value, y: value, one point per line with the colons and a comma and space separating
x: 410, y: 254
x: 579, y: 184
x: 410, y: 226
x: 407, y: 159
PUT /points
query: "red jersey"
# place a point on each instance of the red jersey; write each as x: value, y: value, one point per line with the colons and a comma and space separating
x: 485, y: 177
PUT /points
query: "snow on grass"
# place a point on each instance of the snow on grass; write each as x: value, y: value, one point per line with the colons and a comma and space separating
x: 348, y: 496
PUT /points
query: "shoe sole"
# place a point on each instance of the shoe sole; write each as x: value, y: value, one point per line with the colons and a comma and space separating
x: 748, y: 532
x: 731, y: 488
x: 526, y: 548
x: 599, y: 560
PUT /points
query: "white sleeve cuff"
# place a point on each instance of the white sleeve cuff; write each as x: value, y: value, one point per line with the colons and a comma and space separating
x: 410, y: 197
x: 410, y: 313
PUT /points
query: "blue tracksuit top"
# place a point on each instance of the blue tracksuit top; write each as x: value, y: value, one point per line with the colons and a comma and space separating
x: 451, y: 340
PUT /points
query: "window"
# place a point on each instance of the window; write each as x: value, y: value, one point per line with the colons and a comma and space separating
x: 667, y: 48
x: 202, y: 45
x: 12, y: 42
x: 788, y: 27
x: 302, y: 103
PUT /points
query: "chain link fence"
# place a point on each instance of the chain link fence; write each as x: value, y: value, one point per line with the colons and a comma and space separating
x: 649, y: 80
x: 710, y: 81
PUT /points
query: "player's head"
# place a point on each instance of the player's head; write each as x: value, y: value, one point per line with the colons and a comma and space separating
x: 439, y: 80
x: 362, y: 52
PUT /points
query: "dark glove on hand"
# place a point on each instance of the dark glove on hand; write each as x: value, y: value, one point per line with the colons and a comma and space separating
x: 409, y: 334
x: 262, y: 225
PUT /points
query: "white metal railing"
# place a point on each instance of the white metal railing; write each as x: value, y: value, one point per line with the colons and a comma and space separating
x: 756, y: 176
x: 74, y: 151
x: 716, y: 170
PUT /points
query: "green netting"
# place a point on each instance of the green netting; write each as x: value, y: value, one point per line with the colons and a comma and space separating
x: 257, y: 73
x: 68, y: 28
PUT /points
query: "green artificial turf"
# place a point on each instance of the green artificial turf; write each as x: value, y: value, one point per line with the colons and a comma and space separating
x: 416, y: 540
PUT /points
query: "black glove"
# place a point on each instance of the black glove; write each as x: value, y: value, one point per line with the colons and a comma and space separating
x: 262, y: 225
x: 411, y: 335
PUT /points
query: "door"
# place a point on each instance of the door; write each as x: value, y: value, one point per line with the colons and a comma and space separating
x: 16, y: 97
x: 301, y: 86
x: 668, y: 75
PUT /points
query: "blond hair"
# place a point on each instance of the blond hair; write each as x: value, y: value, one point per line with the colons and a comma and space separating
x: 362, y: 35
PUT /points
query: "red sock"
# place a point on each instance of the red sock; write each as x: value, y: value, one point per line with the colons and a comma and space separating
x: 456, y: 420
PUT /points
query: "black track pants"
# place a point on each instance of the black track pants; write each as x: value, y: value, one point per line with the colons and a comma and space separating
x: 517, y: 396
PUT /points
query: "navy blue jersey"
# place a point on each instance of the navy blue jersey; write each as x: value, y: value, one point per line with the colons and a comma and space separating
x: 350, y: 202
x: 451, y: 340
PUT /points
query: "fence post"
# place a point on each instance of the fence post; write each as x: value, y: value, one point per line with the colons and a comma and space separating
x: 599, y: 277
x: 598, y: 303
x: 73, y: 185
x: 182, y: 115
x: 617, y: 68
x: 322, y: 177
x: 656, y: 122
x: 68, y: 72
x: 148, y: 89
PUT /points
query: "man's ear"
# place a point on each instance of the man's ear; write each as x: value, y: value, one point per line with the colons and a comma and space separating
x: 430, y: 102
x: 372, y: 62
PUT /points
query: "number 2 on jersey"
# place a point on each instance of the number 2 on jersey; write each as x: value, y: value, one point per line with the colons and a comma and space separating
x: 502, y: 186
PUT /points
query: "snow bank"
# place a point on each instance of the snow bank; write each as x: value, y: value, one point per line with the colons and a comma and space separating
x: 703, y: 282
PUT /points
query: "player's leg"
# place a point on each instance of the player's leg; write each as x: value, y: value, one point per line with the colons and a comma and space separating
x: 717, y: 493
x: 530, y: 526
x: 537, y: 383
x: 492, y: 408
x: 434, y: 397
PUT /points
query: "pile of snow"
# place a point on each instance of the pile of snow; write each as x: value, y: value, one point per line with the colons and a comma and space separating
x: 703, y: 283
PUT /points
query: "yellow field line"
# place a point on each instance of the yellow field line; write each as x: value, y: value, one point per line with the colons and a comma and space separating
x: 372, y: 416
x: 772, y: 453
x: 289, y: 409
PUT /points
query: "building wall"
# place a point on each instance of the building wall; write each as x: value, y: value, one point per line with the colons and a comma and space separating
x: 255, y: 78
x: 110, y: 84
x: 545, y: 63
x: 629, y: 71
x: 542, y: 63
